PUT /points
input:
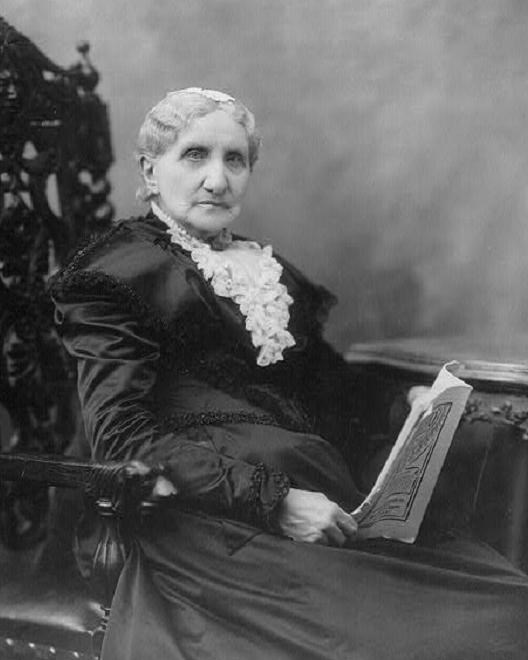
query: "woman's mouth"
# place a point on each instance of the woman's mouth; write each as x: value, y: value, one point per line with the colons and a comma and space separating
x: 214, y: 204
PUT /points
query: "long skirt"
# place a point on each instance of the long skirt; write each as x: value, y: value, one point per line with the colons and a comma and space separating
x: 198, y: 587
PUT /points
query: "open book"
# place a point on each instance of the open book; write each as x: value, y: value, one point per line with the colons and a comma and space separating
x: 397, y: 502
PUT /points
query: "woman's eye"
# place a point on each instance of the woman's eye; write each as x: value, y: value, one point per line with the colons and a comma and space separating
x: 236, y: 160
x: 195, y: 154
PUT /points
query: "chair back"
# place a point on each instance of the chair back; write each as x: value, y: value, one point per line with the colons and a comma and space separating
x: 55, y: 152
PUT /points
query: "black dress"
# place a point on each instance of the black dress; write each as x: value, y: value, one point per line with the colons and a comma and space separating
x: 167, y: 374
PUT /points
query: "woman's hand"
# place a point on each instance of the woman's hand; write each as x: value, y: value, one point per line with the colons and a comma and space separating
x: 162, y: 486
x: 312, y: 518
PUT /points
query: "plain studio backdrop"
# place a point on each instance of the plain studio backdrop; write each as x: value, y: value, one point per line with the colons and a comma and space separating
x: 394, y: 168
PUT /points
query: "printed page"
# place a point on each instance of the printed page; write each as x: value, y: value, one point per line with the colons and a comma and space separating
x: 396, y: 504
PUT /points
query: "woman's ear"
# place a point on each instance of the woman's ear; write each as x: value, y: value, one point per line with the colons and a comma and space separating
x: 146, y: 166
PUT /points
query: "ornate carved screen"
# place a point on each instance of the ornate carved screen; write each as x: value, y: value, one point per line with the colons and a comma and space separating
x: 55, y: 152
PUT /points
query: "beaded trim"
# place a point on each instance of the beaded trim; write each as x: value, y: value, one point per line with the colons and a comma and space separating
x: 181, y: 421
x: 262, y: 299
x: 266, y: 491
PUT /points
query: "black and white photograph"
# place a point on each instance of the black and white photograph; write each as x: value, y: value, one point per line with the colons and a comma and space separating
x: 263, y: 330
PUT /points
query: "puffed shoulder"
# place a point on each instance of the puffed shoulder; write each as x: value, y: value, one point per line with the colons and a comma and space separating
x: 127, y: 250
x: 130, y: 264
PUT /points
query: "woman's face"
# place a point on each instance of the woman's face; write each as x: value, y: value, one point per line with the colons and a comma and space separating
x: 201, y: 179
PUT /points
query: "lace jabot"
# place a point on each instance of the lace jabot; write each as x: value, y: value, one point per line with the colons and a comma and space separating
x: 249, y: 275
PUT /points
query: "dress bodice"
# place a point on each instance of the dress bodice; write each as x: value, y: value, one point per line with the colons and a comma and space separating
x: 160, y: 354
x: 201, y: 334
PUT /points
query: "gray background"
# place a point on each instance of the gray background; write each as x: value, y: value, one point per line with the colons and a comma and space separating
x: 395, y: 157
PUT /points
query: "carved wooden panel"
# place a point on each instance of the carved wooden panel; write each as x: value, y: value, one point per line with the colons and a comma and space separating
x: 55, y: 153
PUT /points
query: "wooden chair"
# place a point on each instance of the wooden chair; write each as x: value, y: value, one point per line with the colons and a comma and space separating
x: 55, y: 152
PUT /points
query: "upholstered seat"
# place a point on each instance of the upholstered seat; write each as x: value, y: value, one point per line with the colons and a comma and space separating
x: 47, y: 603
x: 44, y: 600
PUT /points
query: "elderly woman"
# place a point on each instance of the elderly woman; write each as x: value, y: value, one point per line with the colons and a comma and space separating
x: 201, y: 353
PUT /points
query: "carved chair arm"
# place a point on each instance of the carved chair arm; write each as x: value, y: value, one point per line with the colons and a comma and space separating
x: 120, y: 486
x: 118, y: 489
x: 122, y: 482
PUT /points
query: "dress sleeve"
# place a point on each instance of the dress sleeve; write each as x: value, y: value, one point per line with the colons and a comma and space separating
x: 117, y: 363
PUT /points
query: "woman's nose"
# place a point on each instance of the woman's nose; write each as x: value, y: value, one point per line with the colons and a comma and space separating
x: 215, y: 180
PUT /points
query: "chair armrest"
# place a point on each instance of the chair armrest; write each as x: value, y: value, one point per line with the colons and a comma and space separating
x: 119, y: 491
x: 121, y: 482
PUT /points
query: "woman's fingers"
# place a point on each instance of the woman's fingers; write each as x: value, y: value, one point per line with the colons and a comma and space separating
x: 340, y: 527
x: 163, y: 488
x: 313, y: 518
x: 347, y: 524
x: 335, y: 536
x: 138, y: 467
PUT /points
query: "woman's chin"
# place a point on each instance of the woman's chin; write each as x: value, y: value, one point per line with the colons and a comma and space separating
x: 210, y: 221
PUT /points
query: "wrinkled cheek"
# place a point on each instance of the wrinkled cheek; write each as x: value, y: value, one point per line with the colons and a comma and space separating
x: 234, y: 211
x: 176, y: 207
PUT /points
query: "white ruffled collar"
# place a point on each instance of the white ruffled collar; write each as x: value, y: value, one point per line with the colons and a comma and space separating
x: 249, y: 275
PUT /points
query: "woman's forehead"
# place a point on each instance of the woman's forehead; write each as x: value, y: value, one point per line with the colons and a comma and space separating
x: 217, y: 127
